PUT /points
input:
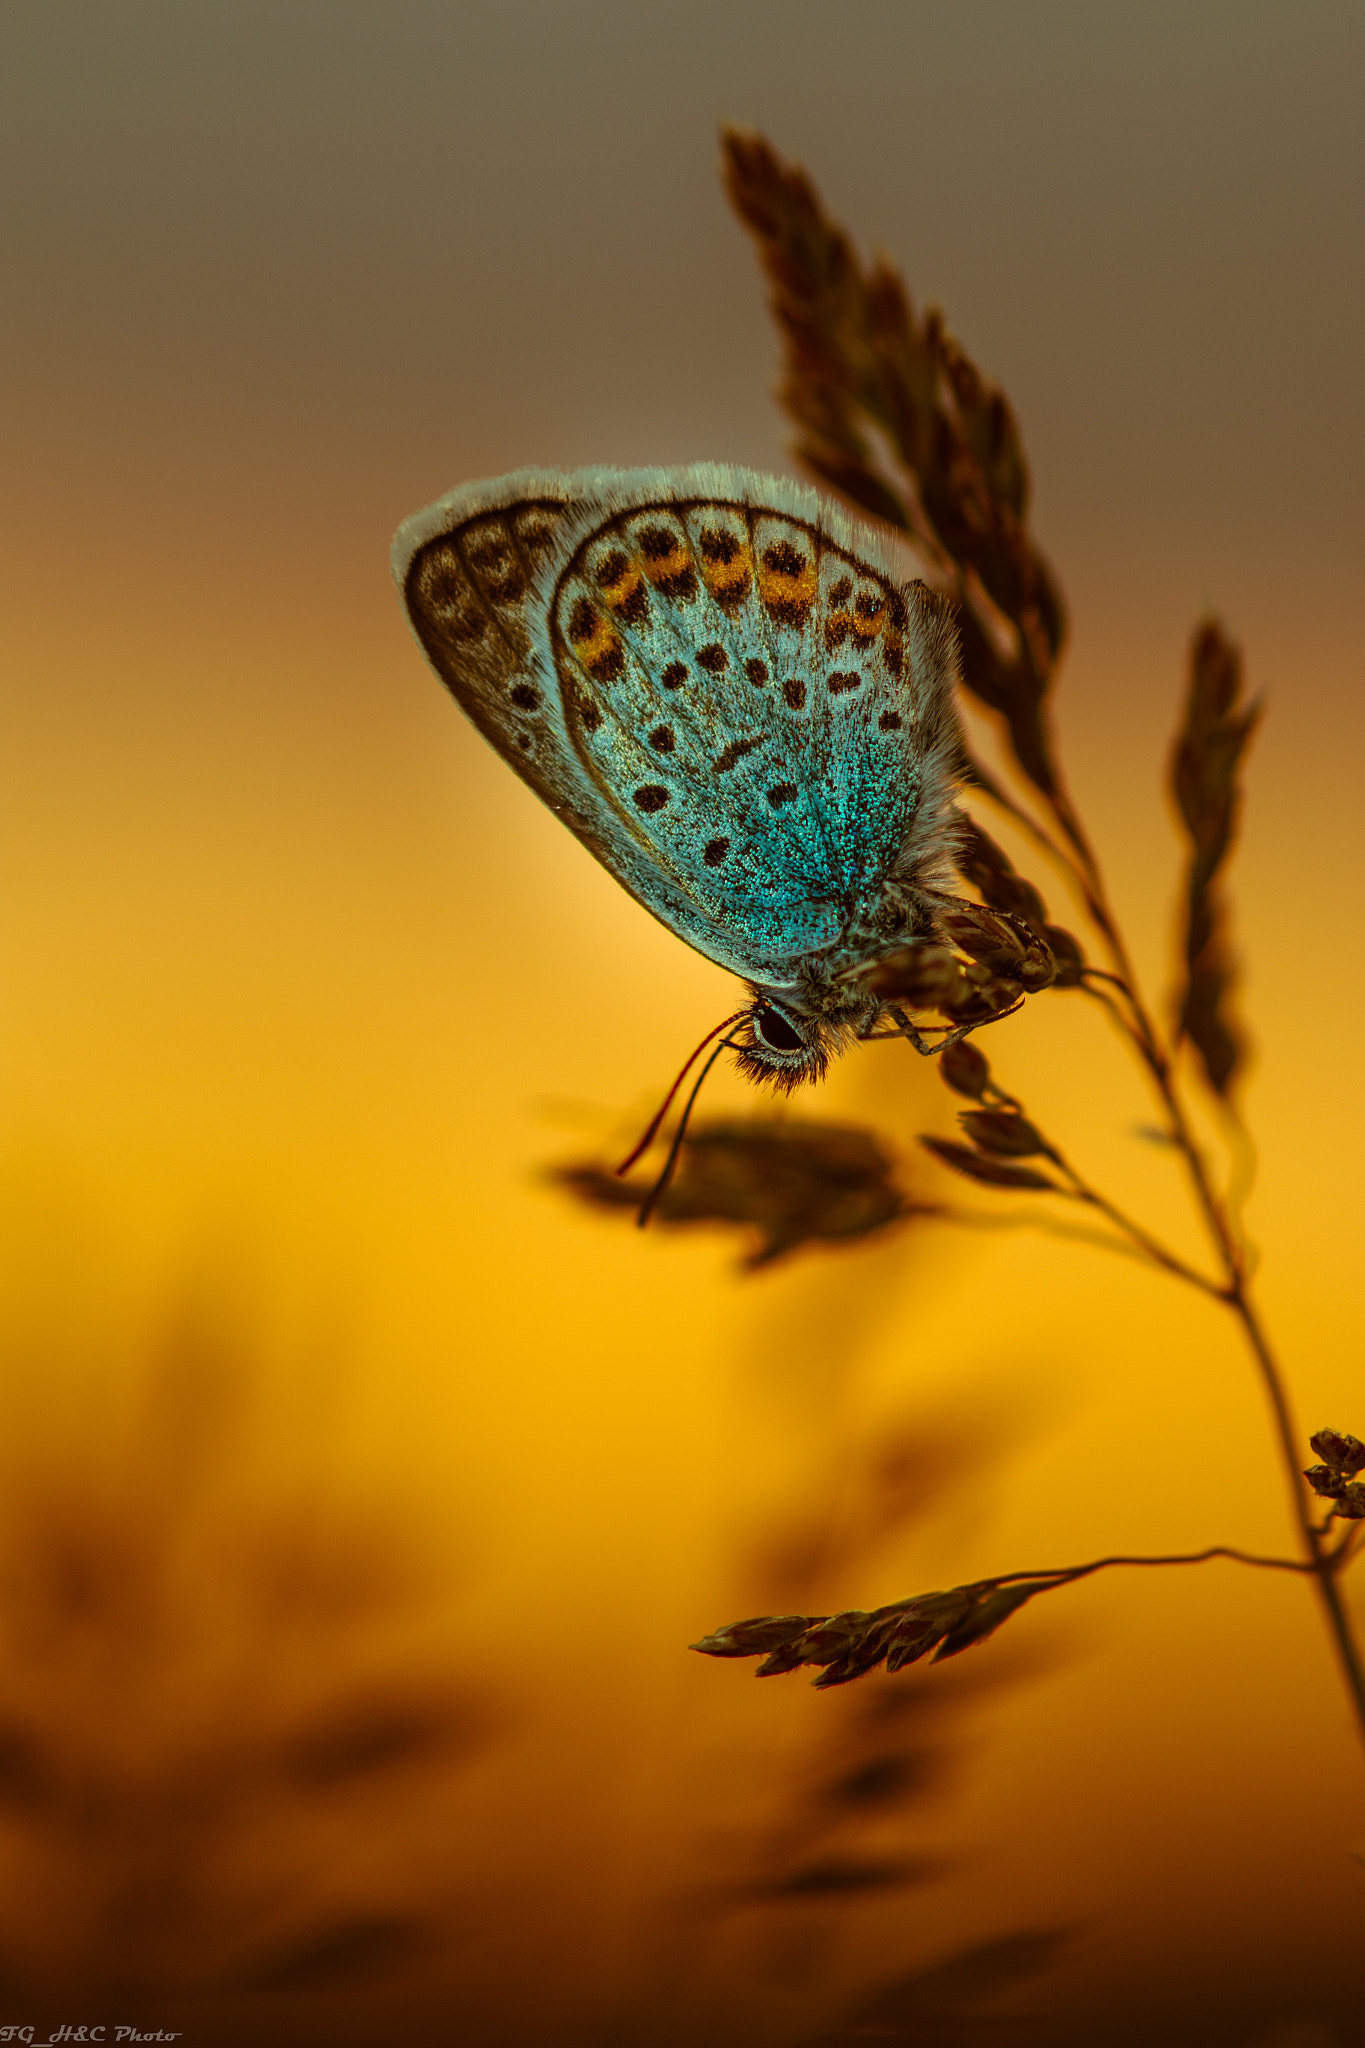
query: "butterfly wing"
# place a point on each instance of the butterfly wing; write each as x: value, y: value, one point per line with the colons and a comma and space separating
x: 716, y: 679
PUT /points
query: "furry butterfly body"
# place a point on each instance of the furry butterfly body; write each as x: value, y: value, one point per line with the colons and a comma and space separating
x: 725, y: 687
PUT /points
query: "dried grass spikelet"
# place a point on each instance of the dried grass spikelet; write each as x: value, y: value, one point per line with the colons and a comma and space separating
x: 1335, y: 1479
x: 992, y: 1168
x: 789, y: 1182
x: 981, y: 965
x: 891, y: 414
x: 1205, y: 763
x: 849, y: 1645
x: 990, y: 871
x: 1001, y: 1135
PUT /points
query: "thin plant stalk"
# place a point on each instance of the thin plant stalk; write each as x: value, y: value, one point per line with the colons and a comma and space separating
x: 1324, y: 1565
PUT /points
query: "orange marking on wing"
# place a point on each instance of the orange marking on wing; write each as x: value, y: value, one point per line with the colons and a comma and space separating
x: 594, y: 641
x: 664, y: 567
x: 729, y: 581
x: 869, y: 616
x: 619, y: 593
x: 787, y: 592
x: 618, y: 578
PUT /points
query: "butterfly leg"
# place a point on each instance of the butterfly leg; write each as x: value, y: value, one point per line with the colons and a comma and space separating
x: 904, y: 1029
x: 907, y: 1030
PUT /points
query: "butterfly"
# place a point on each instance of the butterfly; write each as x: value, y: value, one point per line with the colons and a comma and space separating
x: 726, y: 687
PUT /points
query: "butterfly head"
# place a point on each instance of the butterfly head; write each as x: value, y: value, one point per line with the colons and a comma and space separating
x: 785, y: 1041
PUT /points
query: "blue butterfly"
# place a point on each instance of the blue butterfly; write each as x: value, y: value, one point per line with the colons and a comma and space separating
x: 725, y: 687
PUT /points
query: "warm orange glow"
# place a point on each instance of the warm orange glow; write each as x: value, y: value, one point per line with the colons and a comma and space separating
x: 348, y: 1431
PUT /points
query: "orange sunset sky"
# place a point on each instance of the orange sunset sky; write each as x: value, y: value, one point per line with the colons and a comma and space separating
x: 360, y: 1496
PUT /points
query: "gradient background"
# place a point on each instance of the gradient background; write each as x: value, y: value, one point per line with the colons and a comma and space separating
x: 359, y: 1495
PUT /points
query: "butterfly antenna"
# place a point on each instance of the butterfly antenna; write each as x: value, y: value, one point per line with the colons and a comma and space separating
x: 648, y: 1205
x: 652, y: 1133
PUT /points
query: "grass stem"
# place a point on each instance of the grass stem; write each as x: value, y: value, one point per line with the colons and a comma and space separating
x: 1324, y: 1563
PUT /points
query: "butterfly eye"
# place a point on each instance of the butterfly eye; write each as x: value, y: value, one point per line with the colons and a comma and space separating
x: 772, y: 1029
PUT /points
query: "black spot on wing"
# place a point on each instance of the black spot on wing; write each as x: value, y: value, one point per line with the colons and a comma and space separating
x: 735, y: 752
